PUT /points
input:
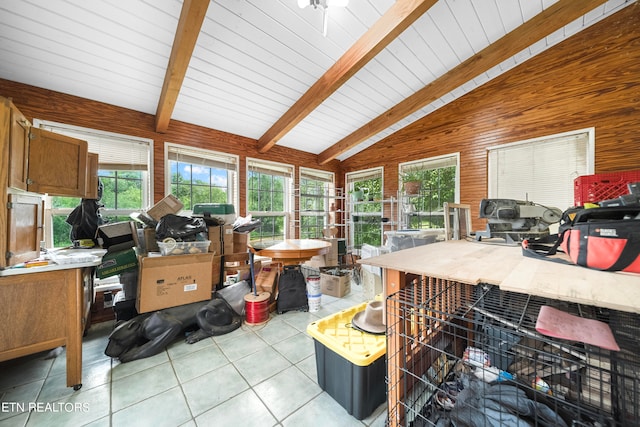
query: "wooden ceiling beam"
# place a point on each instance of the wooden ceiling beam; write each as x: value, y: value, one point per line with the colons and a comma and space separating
x: 191, y: 19
x: 549, y: 20
x: 398, y: 18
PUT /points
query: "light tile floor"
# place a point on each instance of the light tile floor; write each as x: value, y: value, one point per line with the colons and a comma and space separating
x: 255, y: 376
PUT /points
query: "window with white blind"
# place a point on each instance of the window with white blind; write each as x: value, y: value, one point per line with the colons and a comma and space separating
x: 316, y: 195
x: 438, y: 179
x: 195, y: 175
x: 365, y: 191
x: 268, y: 197
x: 124, y: 169
x: 541, y: 170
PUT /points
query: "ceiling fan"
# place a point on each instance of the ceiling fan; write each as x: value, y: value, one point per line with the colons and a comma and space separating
x: 325, y: 5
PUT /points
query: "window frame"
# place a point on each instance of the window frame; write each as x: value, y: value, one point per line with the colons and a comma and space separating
x: 569, y: 176
x: 426, y: 164
x: 371, y: 211
x: 285, y: 170
x: 233, y: 196
x: 327, y: 197
x: 98, y: 137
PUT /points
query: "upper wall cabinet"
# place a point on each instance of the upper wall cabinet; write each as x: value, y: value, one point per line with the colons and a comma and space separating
x: 40, y: 161
x: 19, y: 149
x: 92, y: 177
x: 57, y: 164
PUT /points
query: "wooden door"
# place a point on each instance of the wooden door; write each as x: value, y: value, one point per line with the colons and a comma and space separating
x: 18, y: 149
x: 57, y: 164
x: 24, y: 227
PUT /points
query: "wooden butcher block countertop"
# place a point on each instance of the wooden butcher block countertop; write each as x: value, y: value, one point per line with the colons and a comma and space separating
x: 473, y: 262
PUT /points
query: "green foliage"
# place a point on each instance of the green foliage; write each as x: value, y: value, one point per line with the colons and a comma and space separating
x: 122, y: 189
x: 266, y: 192
x: 191, y: 191
x: 368, y: 229
x: 366, y: 232
x: 272, y: 228
x: 61, y: 231
x: 413, y: 175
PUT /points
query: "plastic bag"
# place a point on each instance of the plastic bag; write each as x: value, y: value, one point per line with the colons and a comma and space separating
x: 181, y: 228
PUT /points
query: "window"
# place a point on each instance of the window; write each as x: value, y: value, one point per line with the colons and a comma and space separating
x: 268, y: 185
x: 365, y: 190
x: 123, y: 168
x: 201, y: 176
x: 438, y: 177
x: 316, y: 198
x: 541, y: 170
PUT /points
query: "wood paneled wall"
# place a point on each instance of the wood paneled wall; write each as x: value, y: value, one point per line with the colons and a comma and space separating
x: 590, y: 80
x: 54, y: 106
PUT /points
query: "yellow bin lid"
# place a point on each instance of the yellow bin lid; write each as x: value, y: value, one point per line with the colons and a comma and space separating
x: 337, y: 334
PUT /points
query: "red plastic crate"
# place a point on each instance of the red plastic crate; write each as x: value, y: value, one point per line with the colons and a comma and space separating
x: 602, y: 186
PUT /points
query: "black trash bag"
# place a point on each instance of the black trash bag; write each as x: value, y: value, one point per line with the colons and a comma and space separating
x: 85, y: 218
x: 181, y: 228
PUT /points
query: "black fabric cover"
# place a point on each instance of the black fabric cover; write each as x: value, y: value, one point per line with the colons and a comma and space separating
x: 292, y: 290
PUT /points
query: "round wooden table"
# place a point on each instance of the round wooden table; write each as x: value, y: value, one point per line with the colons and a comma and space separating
x: 290, y: 251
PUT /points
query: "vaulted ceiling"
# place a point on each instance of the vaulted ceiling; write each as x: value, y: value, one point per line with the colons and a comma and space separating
x: 263, y: 68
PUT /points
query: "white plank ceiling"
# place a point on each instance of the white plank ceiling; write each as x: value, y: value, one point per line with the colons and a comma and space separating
x: 254, y: 59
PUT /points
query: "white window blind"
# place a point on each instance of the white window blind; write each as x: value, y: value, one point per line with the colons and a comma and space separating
x: 194, y: 156
x: 316, y: 175
x: 541, y: 170
x: 362, y: 175
x: 428, y: 164
x: 270, y: 168
x: 115, y: 151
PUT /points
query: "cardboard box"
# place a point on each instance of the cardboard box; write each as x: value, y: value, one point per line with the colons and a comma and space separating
x: 168, y: 205
x: 171, y: 281
x: 150, y: 242
x: 331, y: 257
x: 328, y: 259
x: 117, y: 236
x: 102, y: 307
x: 215, y: 236
x: 267, y: 281
x: 335, y: 282
x: 216, y: 272
x: 240, y: 242
x: 117, y: 262
x: 227, y: 239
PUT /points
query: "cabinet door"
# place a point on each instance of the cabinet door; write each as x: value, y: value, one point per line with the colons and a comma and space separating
x: 18, y: 149
x: 92, y: 176
x: 24, y: 227
x: 57, y: 164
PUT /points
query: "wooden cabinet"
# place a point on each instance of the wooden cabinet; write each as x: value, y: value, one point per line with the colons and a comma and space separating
x: 36, y: 162
x: 57, y: 164
x: 40, y: 161
x: 18, y: 149
x: 24, y: 217
x: 44, y: 310
x: 92, y: 177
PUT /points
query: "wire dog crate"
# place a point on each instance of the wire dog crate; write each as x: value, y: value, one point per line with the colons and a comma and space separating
x: 465, y: 355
